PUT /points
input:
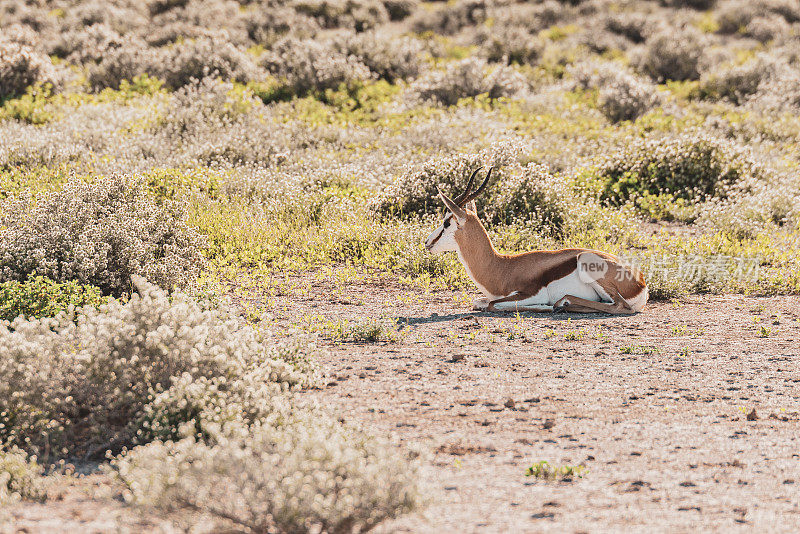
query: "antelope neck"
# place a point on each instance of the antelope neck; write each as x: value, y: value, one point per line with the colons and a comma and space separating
x: 483, y: 263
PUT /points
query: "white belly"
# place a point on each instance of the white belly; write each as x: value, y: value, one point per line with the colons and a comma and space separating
x: 570, y: 285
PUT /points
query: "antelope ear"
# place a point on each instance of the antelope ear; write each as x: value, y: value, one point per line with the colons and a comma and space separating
x: 454, y: 208
x: 471, y: 207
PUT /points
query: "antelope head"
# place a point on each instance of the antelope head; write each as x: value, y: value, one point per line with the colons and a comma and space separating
x: 459, y: 213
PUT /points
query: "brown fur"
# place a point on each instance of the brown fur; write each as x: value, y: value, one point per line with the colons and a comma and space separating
x: 529, y: 272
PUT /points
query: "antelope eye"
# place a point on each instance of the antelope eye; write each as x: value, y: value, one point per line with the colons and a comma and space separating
x: 447, y: 222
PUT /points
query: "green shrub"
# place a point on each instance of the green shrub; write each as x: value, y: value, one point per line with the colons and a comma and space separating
x: 692, y: 167
x: 41, y: 297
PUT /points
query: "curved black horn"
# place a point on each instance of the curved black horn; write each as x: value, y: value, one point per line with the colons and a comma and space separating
x: 460, y: 199
x: 480, y: 189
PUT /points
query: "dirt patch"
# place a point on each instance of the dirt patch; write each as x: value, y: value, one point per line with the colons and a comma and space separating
x: 685, y: 416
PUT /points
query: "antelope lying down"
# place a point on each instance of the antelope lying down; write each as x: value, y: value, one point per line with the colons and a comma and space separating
x: 573, y: 279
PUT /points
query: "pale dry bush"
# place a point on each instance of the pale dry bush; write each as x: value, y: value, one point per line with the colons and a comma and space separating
x: 124, y: 62
x: 310, y: 65
x: 415, y: 192
x: 634, y: 26
x: 21, y: 67
x: 308, y: 474
x: 400, y: 9
x: 360, y: 15
x: 510, y: 44
x: 759, y: 208
x: 99, y: 233
x: 79, y: 385
x: 768, y: 28
x: 672, y: 54
x: 533, y: 197
x: 208, y: 123
x: 177, y: 65
x: 691, y: 4
x: 737, y: 82
x: 20, y: 477
x: 735, y: 16
x: 215, y: 57
x: 451, y: 17
x: 389, y: 58
x: 778, y: 94
x: 621, y: 95
x: 91, y: 43
x: 21, y: 34
x: 467, y: 78
x: 266, y: 26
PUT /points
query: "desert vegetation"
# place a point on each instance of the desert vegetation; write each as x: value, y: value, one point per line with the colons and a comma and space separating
x: 170, y: 167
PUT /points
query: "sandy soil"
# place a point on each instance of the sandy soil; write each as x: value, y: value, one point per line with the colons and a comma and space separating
x: 686, y: 417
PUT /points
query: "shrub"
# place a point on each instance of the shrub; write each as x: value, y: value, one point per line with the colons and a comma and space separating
x: 125, y: 62
x: 79, y: 387
x: 360, y: 15
x: 267, y: 26
x: 309, y: 66
x: 91, y: 43
x: 534, y: 197
x: 468, y: 78
x: 691, y: 4
x: 20, y: 477
x: 310, y: 474
x: 415, y: 193
x: 100, y: 234
x: 672, y: 55
x: 511, y: 44
x: 692, y: 167
x: 41, y: 297
x: 21, y: 67
x: 778, y: 94
x: 207, y: 56
x: 738, y: 82
x: 620, y: 94
x: 765, y: 29
x: 391, y: 59
x: 400, y: 9
x: 633, y: 26
x: 451, y: 17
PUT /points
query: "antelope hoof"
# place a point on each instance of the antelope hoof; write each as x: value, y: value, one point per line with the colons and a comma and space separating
x: 481, y: 304
x: 561, y: 305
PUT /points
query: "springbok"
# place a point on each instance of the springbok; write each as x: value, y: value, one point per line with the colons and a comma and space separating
x: 573, y: 279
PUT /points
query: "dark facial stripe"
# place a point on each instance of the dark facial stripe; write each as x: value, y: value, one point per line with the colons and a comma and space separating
x: 438, y: 237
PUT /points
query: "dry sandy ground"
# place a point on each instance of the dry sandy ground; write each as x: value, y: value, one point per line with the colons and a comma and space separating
x: 686, y: 417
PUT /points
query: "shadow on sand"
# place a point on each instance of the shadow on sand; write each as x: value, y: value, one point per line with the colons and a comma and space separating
x: 403, y: 322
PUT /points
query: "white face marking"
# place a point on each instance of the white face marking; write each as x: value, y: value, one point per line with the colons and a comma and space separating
x: 443, y: 239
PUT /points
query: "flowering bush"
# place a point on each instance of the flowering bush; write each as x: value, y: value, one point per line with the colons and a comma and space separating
x: 99, y: 233
x: 391, y: 59
x: 310, y: 473
x: 78, y: 387
x: 534, y: 197
x: 692, y: 167
x: 20, y: 477
x: 314, y: 66
x: 21, y: 67
x: 621, y: 94
x: 672, y: 55
x: 468, y: 78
